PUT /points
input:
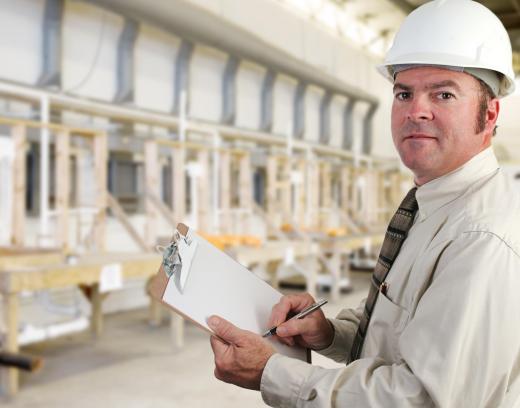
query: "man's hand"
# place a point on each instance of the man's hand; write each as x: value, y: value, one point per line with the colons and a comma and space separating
x: 240, y: 356
x: 314, y: 331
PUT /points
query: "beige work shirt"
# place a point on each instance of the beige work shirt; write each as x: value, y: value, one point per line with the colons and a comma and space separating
x: 447, y: 333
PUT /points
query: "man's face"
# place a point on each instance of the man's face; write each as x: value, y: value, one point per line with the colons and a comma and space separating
x: 434, y: 120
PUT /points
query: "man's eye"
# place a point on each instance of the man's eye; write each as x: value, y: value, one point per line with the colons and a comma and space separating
x: 446, y: 95
x: 403, y: 96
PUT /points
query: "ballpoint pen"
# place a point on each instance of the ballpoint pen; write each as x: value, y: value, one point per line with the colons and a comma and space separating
x: 301, y: 315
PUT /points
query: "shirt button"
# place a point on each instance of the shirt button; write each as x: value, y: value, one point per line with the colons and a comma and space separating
x: 312, y: 395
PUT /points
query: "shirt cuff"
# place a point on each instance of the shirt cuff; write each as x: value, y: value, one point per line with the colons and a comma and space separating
x: 339, y: 349
x: 283, y: 379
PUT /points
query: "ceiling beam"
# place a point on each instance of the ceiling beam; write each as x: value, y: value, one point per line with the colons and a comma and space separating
x: 192, y: 23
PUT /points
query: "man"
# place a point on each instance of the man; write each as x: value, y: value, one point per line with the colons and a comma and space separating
x: 440, y: 326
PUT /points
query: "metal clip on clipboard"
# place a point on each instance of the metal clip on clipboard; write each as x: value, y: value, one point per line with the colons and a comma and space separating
x: 177, y: 258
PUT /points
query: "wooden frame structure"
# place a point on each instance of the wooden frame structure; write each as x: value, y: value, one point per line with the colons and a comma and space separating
x: 344, y: 208
x: 63, y: 134
x: 211, y: 199
x: 361, y: 194
x: 313, y: 188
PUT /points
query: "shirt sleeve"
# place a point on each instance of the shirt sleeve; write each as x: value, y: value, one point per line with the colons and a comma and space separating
x: 345, y: 327
x: 459, y: 348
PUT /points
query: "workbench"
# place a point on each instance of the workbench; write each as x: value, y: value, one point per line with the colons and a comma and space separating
x: 17, y: 276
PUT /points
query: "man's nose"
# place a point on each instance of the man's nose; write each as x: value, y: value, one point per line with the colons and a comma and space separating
x: 419, y: 109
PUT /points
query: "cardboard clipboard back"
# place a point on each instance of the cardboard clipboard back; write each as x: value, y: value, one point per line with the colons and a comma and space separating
x: 160, y: 280
x: 158, y: 284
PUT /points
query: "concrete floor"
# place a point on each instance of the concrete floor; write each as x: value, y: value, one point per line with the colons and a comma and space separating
x: 135, y: 365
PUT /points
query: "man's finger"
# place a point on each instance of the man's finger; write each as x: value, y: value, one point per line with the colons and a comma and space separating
x: 279, y: 312
x: 219, y: 375
x: 225, y: 330
x: 294, y: 327
x: 218, y: 346
x: 287, y: 305
x: 288, y: 341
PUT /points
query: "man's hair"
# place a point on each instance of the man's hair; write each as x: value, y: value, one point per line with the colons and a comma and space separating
x: 485, y: 95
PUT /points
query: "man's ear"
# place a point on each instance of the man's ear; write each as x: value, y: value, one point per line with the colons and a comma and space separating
x: 492, y: 113
x: 493, y: 109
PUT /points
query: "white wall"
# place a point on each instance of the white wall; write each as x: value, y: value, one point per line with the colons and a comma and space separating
x: 304, y: 40
x: 337, y: 110
x: 382, y: 144
x: 313, y: 98
x: 155, y: 54
x: 90, y: 38
x: 358, y: 114
x: 508, y: 133
x: 91, y: 34
x: 273, y: 23
x: 512, y: 171
x: 284, y: 90
x: 21, y: 39
x: 207, y: 70
x: 249, y: 95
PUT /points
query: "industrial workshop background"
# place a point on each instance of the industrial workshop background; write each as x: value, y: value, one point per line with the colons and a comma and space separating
x: 262, y: 124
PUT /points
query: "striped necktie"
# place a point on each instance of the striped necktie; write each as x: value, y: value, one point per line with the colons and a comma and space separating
x: 395, y: 235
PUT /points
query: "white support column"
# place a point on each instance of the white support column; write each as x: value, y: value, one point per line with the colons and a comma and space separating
x: 194, y: 174
x: 345, y: 189
x: 225, y: 191
x: 272, y: 196
x: 244, y: 197
x: 326, y: 198
x: 300, y: 190
x: 182, y: 116
x: 177, y: 330
x: 309, y: 189
x: 284, y: 183
x: 62, y: 182
x: 216, y: 187
x: 313, y: 193
x: 151, y: 160
x: 204, y: 188
x: 100, y: 166
x: 44, y: 233
x: 179, y: 183
x: 246, y: 191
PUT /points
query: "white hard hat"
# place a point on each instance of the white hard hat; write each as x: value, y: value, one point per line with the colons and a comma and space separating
x: 453, y: 33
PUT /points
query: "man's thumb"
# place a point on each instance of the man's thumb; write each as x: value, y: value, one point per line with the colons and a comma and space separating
x: 224, y: 329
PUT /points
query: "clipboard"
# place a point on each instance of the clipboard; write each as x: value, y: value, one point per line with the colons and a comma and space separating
x: 208, y: 282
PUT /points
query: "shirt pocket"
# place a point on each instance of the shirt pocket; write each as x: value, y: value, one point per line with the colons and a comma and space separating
x: 386, y: 325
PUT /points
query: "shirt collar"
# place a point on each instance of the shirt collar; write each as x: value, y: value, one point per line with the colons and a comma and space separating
x: 443, y: 190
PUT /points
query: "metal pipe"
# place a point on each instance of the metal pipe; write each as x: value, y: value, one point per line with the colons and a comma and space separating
x: 147, y: 117
x: 182, y: 117
x: 44, y: 171
x: 215, y: 184
x: 20, y: 361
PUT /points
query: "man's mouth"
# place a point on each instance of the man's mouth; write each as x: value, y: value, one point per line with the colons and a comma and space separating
x: 419, y: 136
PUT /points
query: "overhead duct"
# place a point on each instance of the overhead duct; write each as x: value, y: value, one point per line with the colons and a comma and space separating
x: 197, y: 24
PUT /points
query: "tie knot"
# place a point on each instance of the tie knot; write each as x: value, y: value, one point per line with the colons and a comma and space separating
x: 409, y: 203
